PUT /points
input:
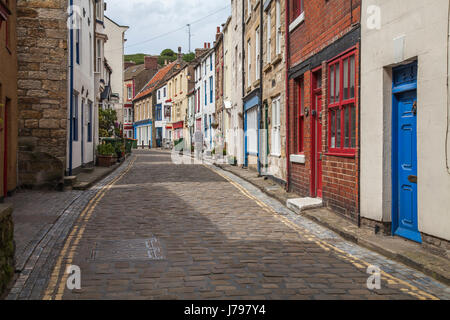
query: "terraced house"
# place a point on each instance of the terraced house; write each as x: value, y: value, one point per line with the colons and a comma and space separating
x: 180, y: 84
x: 144, y: 105
x: 273, y: 115
x: 323, y: 102
x: 405, y: 175
x: 204, y: 86
x: 252, y: 75
x: 60, y: 80
x: 135, y: 78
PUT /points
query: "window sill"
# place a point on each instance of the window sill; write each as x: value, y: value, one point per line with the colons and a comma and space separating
x: 277, y: 60
x: 256, y: 83
x: 341, y: 154
x: 275, y: 155
x: 298, y: 158
x: 267, y: 67
x: 256, y: 5
x: 297, y: 21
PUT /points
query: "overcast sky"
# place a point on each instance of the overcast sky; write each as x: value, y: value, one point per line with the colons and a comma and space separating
x: 150, y: 19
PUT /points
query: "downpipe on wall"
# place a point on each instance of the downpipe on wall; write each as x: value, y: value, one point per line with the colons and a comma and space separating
x: 447, y: 136
x: 71, y: 86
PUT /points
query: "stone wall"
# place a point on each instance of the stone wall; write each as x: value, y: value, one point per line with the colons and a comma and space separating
x: 42, y: 89
x: 6, y: 247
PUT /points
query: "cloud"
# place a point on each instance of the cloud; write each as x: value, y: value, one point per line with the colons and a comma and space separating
x: 149, y: 19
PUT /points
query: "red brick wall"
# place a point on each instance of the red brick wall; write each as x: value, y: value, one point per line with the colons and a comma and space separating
x: 325, y: 22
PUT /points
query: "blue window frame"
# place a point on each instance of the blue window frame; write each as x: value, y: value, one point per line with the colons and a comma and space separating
x: 210, y: 63
x: 211, y: 89
x: 78, y: 42
x: 75, y: 117
x: 89, y: 125
x: 206, y: 94
x: 158, y: 112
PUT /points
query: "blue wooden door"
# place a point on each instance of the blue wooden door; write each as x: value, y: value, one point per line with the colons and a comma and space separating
x: 405, y: 222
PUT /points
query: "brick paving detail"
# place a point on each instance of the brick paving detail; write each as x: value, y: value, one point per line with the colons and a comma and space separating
x: 166, y: 231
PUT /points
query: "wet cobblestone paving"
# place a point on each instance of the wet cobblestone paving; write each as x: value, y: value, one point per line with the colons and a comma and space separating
x: 156, y: 230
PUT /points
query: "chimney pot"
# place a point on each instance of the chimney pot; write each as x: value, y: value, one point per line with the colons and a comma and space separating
x: 218, y: 29
x: 209, y: 45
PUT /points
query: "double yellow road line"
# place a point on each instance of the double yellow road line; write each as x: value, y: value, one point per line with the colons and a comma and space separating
x: 357, y: 262
x: 56, y: 286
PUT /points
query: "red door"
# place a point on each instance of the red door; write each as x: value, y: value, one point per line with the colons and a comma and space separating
x: 318, y: 144
x: 316, y: 133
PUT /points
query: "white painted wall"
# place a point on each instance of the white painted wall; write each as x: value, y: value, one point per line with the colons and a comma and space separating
x: 237, y: 145
x: 161, y: 97
x: 203, y: 73
x: 83, y: 82
x: 114, y: 54
x: 425, y: 27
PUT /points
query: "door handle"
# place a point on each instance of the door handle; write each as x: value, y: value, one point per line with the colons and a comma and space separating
x: 412, y: 179
x: 414, y: 108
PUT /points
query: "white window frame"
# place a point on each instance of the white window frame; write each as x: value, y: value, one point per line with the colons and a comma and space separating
x: 257, y: 55
x: 278, y: 27
x: 249, y: 63
x: 276, y: 127
x: 269, y: 36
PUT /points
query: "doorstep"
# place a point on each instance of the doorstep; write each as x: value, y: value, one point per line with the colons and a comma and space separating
x: 407, y: 252
x: 299, y: 205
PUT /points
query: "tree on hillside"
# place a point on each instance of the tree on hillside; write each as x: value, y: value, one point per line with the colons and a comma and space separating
x: 188, y: 57
x: 167, y: 55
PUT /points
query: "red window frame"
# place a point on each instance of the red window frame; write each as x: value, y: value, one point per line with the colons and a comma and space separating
x: 296, y: 7
x: 342, y: 105
x: 300, y: 88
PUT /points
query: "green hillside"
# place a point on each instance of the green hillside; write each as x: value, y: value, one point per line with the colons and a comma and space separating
x: 138, y: 58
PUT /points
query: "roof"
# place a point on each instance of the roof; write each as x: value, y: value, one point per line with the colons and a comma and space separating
x: 151, y: 85
x: 127, y: 27
x: 133, y: 71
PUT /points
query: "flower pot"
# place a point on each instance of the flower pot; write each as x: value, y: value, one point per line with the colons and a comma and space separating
x: 104, y: 161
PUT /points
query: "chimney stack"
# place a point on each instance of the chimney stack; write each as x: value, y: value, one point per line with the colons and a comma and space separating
x: 180, y: 56
x: 151, y: 63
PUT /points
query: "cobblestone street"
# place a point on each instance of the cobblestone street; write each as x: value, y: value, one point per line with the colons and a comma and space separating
x: 156, y: 230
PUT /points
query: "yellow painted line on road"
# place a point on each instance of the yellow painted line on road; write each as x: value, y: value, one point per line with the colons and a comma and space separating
x: 76, y: 235
x: 357, y: 262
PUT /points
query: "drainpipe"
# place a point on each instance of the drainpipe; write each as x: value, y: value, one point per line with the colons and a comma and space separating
x: 261, y: 28
x: 287, y: 52
x: 243, y: 78
x: 359, y: 132
x: 71, y: 88
x: 447, y: 162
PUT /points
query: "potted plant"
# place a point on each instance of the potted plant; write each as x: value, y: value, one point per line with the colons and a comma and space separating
x: 105, y: 154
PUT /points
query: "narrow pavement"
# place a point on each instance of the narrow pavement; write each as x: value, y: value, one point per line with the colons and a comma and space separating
x: 157, y: 230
